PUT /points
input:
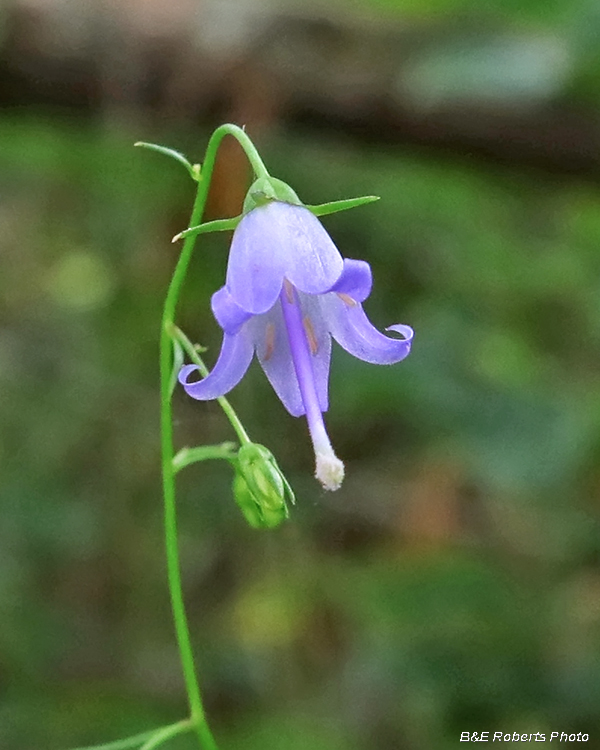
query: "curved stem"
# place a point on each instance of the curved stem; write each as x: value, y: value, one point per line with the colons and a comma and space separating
x: 126, y: 743
x: 165, y: 734
x: 182, y: 632
x: 198, y: 718
x: 187, y: 456
x: 230, y: 413
x: 200, y: 202
x: 249, y: 148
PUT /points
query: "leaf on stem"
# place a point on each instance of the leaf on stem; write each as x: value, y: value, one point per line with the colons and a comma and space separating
x: 178, y: 359
x: 193, y: 169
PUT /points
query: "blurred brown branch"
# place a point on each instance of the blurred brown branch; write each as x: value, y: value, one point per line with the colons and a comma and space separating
x: 259, y: 65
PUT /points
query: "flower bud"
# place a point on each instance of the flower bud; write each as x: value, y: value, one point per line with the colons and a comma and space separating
x: 260, y: 488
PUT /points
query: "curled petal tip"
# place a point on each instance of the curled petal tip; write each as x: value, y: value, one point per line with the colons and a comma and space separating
x: 185, y: 372
x: 406, y: 331
x: 230, y: 368
x: 352, y: 329
x: 329, y: 471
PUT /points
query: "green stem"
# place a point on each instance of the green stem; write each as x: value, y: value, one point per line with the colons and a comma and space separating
x: 182, y: 632
x: 249, y: 148
x: 128, y: 742
x: 165, y: 734
x: 187, y: 456
x: 194, y: 355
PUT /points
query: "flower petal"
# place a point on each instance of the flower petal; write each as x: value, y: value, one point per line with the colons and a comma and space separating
x: 277, y: 240
x: 273, y: 351
x: 228, y: 314
x: 271, y: 341
x: 351, y: 328
x: 313, y: 263
x: 319, y: 340
x: 255, y: 269
x: 234, y: 360
x: 356, y: 280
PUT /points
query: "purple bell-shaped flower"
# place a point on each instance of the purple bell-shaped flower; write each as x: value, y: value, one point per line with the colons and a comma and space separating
x: 287, y: 292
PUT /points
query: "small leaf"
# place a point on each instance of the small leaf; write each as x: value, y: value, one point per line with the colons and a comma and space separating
x: 178, y: 359
x: 193, y: 169
x: 331, y: 208
x: 289, y: 491
x: 220, y: 225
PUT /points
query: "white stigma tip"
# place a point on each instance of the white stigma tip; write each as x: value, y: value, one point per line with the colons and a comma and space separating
x: 330, y: 471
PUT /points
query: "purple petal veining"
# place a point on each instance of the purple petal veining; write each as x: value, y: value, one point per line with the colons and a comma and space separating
x: 287, y: 292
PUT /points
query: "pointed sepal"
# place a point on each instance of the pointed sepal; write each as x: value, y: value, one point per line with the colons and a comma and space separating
x: 178, y: 358
x: 334, y: 206
x: 219, y: 225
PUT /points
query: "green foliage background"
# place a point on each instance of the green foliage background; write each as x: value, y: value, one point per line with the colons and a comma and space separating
x: 452, y: 585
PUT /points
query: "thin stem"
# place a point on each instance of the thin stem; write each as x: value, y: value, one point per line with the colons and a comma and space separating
x: 187, y: 456
x: 165, y: 734
x: 194, y: 355
x: 200, y: 202
x: 249, y: 148
x: 182, y: 632
x: 128, y: 742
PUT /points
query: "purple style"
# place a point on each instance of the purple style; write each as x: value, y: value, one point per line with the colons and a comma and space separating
x: 288, y: 291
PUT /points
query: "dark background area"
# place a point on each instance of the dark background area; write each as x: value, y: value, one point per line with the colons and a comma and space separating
x: 453, y: 583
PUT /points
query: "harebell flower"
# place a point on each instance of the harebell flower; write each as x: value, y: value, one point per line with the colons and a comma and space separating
x: 287, y: 292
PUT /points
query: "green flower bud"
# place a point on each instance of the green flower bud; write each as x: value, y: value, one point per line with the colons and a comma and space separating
x: 246, y: 503
x: 260, y: 488
x: 259, y: 517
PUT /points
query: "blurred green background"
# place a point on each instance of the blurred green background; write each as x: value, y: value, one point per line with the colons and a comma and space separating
x: 453, y: 584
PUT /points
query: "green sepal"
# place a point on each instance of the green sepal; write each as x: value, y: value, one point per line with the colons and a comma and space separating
x: 334, y: 206
x: 267, y: 189
x: 219, y: 225
x: 193, y: 169
x: 257, y: 516
x: 260, y: 488
x: 178, y: 359
x: 187, y: 456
